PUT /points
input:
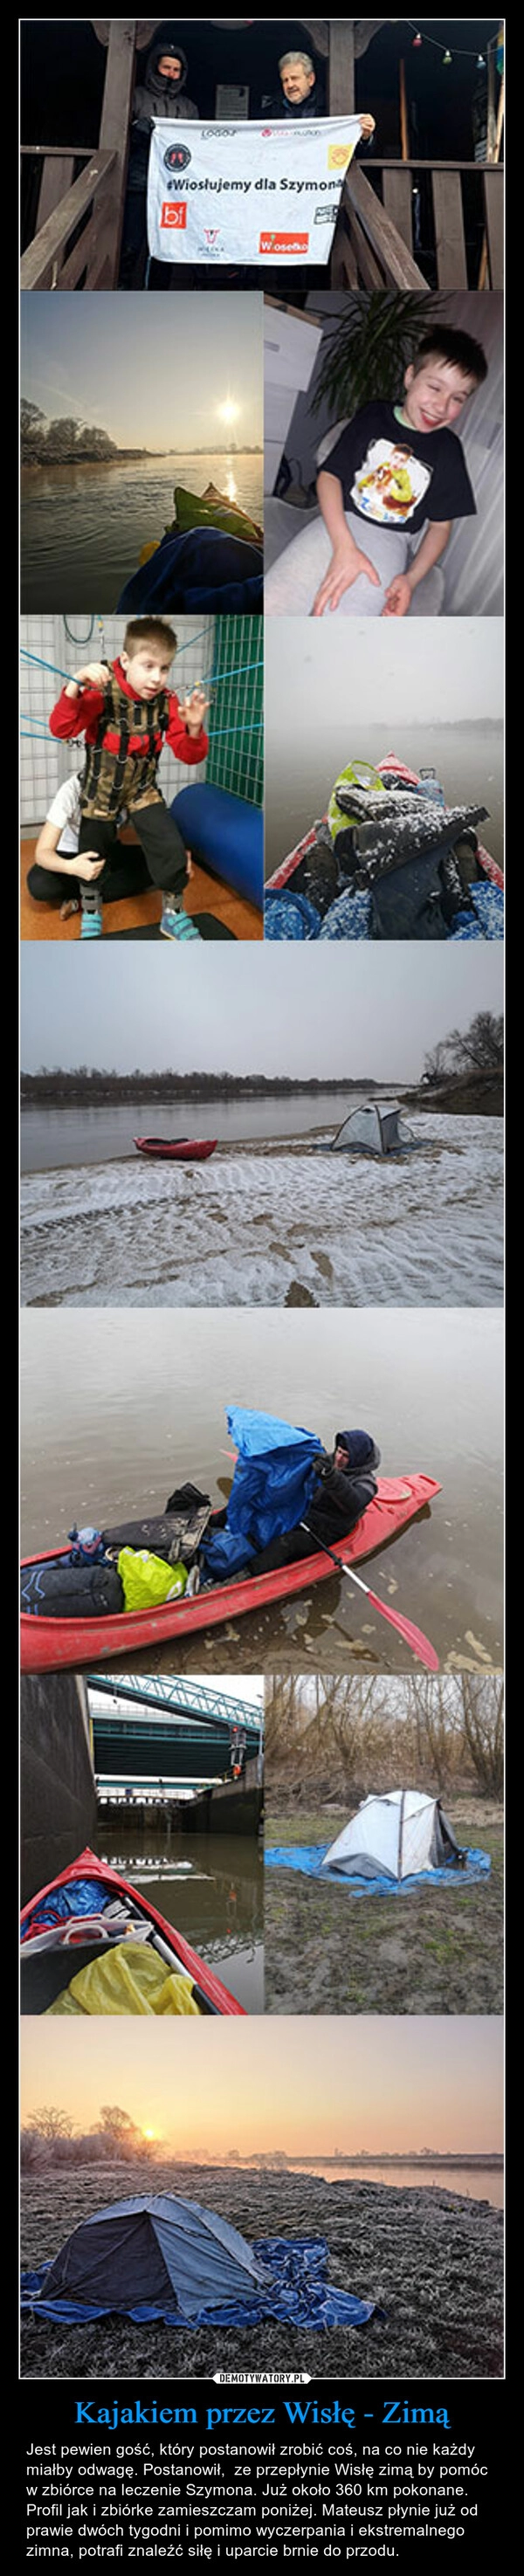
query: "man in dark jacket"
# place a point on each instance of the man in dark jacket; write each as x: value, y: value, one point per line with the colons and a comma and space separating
x: 345, y: 1483
x: 161, y: 95
x: 302, y: 95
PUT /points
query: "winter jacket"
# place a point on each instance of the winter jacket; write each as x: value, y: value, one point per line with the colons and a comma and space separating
x: 341, y: 1494
x: 282, y: 109
x: 154, y: 99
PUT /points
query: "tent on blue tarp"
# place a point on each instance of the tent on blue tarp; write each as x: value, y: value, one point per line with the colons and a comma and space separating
x: 159, y: 2250
x: 401, y: 1834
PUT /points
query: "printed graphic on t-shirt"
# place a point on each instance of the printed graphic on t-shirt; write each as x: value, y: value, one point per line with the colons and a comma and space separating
x: 391, y: 483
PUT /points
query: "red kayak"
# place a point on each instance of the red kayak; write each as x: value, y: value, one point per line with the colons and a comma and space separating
x: 283, y: 875
x: 53, y: 1953
x: 46, y: 1645
x: 183, y: 1149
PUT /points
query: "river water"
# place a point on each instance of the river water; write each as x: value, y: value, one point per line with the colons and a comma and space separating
x: 118, y: 1407
x: 209, y: 1886
x: 83, y: 526
x: 55, y: 1137
x: 467, y: 759
x: 468, y: 2180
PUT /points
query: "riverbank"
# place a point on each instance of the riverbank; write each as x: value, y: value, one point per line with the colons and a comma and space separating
x: 274, y: 1223
x: 433, y: 1950
x: 430, y: 2257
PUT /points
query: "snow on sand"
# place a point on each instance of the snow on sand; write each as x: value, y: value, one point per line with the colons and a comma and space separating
x: 256, y: 1225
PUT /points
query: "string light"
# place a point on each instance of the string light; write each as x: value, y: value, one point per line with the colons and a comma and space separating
x: 465, y: 53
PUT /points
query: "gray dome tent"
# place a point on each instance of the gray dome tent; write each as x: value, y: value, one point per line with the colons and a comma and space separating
x: 156, y: 2249
x: 395, y: 1836
x: 370, y: 1130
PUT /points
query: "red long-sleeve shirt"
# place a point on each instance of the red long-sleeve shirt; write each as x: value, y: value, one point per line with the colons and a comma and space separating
x: 74, y: 716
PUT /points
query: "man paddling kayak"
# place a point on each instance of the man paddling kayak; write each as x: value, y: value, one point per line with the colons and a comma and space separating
x: 345, y: 1482
x: 287, y: 1500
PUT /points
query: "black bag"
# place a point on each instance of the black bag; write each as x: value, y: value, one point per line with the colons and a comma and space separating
x: 59, y: 1590
x: 419, y: 900
x: 175, y: 1534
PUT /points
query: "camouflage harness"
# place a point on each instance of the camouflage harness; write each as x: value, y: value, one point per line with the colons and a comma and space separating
x: 121, y: 765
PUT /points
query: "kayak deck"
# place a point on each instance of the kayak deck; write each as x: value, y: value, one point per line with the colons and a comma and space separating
x: 50, y: 1645
x: 52, y: 1953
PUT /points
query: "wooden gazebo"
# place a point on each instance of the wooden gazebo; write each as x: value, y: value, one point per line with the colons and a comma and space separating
x: 77, y: 239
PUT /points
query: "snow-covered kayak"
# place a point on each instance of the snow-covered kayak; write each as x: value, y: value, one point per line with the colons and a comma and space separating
x: 49, y: 1644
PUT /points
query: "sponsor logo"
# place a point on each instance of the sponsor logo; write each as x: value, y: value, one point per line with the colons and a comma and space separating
x: 209, y: 133
x: 211, y: 238
x: 177, y: 157
x: 173, y: 215
x: 326, y: 214
x: 272, y: 242
x: 339, y: 154
x: 266, y: 132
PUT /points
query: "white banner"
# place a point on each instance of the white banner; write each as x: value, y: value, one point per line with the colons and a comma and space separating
x: 247, y: 192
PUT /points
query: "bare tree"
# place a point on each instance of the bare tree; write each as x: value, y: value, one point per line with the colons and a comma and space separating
x: 50, y: 2123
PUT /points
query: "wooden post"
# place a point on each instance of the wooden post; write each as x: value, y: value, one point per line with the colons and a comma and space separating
x: 494, y: 156
x: 114, y: 132
x: 341, y: 76
x: 404, y: 130
x: 490, y: 133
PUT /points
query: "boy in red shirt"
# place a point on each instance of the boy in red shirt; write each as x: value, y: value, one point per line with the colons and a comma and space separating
x: 126, y: 714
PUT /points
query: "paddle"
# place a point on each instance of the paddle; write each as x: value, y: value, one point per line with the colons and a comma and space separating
x: 420, y: 1645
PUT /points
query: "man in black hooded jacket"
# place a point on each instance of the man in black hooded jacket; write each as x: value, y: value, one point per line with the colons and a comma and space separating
x: 161, y: 95
x: 345, y: 1483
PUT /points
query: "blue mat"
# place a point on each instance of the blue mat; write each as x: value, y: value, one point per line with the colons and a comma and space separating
x: 298, y: 2294
x: 308, y: 1857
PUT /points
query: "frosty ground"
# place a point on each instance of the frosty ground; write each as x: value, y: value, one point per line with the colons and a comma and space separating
x: 430, y: 1951
x: 431, y: 2257
x: 275, y: 1224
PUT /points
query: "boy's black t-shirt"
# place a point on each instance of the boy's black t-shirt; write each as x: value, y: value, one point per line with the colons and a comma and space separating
x: 397, y: 476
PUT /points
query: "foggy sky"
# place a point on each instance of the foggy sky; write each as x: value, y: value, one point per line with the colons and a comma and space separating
x: 335, y: 1011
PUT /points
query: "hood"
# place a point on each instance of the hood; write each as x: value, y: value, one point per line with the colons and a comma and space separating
x: 363, y: 1454
x: 159, y: 86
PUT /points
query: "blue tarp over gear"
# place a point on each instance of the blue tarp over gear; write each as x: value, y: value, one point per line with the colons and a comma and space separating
x: 295, y: 2292
x: 308, y: 1859
x: 272, y: 1486
x: 203, y: 570
x: 83, y: 1896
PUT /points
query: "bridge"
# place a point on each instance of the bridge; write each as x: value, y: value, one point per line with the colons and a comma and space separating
x: 168, y: 1733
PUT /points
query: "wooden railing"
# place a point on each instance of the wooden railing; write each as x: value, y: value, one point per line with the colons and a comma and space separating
x: 374, y: 242
x: 76, y: 243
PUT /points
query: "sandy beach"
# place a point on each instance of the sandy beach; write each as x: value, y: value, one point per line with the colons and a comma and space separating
x: 279, y: 1222
x: 431, y: 2257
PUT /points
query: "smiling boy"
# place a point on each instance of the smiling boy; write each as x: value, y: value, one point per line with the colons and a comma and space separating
x: 127, y: 716
x: 397, y: 469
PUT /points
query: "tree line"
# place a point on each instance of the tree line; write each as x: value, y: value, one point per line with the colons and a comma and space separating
x: 349, y: 1737
x: 94, y: 1084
